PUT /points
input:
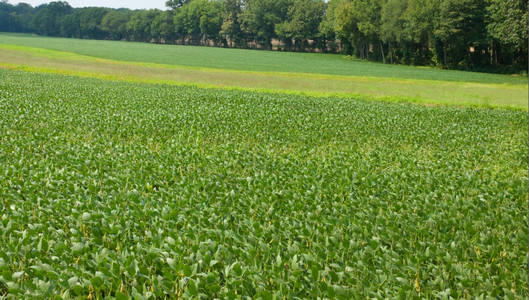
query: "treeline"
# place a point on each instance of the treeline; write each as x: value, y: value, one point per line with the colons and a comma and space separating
x: 484, y: 35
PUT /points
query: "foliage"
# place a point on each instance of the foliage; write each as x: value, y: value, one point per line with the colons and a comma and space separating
x: 48, y: 20
x: 508, y: 27
x: 162, y: 26
x: 231, y: 22
x: 115, y: 24
x: 85, y: 23
x: 150, y: 191
x: 472, y: 35
x: 16, y: 18
x: 261, y: 17
x: 358, y: 23
x: 211, y: 20
x: 509, y: 21
x: 139, y: 25
x: 175, y: 4
x: 302, y: 24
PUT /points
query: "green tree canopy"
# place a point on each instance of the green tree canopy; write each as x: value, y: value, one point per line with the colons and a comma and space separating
x: 48, y: 20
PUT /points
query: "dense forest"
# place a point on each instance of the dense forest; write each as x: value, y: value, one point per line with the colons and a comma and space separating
x: 479, y: 35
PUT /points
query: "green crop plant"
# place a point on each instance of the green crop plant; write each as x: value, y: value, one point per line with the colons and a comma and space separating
x: 113, y: 189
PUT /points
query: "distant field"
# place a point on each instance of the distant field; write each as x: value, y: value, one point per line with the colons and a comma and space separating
x: 115, y: 189
x: 312, y: 74
x: 248, y: 60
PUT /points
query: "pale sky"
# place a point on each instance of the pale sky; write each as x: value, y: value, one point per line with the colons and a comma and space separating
x: 132, y: 4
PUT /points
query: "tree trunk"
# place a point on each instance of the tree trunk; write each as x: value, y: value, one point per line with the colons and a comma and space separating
x: 422, y: 54
x: 495, y: 54
x: 362, y: 50
x: 470, y: 58
x: 382, y: 50
x: 444, y: 53
x: 390, y: 53
x: 491, y: 53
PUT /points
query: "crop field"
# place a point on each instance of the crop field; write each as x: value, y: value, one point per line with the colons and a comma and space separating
x: 120, y: 189
x: 246, y: 60
x: 293, y: 73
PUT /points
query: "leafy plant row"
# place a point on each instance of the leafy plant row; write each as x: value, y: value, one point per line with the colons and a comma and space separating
x: 150, y: 191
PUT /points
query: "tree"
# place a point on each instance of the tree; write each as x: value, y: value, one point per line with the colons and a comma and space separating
x: 261, y: 17
x: 507, y: 26
x: 211, y: 20
x: 175, y: 4
x: 187, y: 21
x: 69, y: 26
x: 231, y: 23
x: 89, y: 19
x: 357, y: 24
x: 447, y: 26
x: 6, y: 19
x: 351, y: 27
x: 139, y: 25
x: 368, y: 15
x: 114, y: 24
x: 304, y: 18
x: 163, y: 27
x: 48, y: 19
x: 460, y: 27
x: 417, y: 20
x: 328, y: 26
x: 15, y: 18
x: 23, y: 15
x: 391, y: 23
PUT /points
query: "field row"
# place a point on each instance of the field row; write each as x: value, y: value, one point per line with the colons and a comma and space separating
x: 118, y: 189
x: 249, y: 60
x: 380, y: 88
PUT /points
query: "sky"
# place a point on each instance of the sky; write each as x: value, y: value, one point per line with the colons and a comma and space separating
x: 132, y: 4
